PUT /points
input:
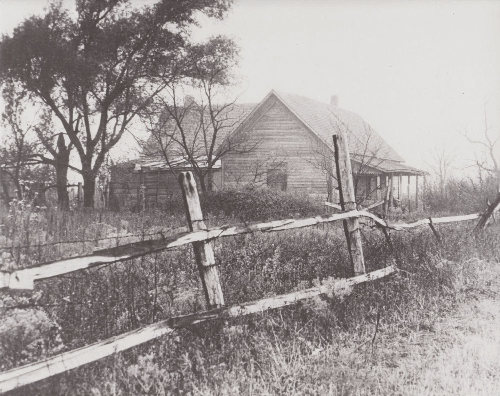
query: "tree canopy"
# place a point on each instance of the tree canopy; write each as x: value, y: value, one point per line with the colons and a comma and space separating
x: 96, y: 69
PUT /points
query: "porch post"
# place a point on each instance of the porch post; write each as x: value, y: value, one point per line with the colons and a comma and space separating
x: 391, y: 191
x: 416, y: 192
x: 400, y: 188
x: 409, y: 197
x: 377, y: 191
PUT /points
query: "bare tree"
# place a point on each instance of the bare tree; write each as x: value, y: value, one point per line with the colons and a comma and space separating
x: 441, y: 166
x: 257, y: 171
x: 197, y: 131
x: 367, y: 153
x: 487, y: 157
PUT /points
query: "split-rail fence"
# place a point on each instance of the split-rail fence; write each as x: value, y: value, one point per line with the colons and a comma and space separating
x: 200, y: 237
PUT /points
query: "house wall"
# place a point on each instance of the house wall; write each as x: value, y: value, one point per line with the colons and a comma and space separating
x: 162, y: 187
x: 278, y: 139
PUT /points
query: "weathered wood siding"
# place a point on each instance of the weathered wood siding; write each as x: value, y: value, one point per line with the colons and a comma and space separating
x: 162, y: 187
x: 278, y: 139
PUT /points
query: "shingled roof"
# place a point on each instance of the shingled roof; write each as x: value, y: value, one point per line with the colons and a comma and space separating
x: 324, y: 119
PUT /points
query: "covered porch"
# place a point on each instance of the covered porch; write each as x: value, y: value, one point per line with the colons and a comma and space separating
x: 396, y: 184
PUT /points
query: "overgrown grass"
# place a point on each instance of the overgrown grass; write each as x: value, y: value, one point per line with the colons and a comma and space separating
x: 319, y: 346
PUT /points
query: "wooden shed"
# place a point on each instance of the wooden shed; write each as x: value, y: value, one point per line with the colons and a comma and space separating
x: 157, y: 180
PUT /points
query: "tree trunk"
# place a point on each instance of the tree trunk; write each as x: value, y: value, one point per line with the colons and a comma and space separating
x: 88, y: 189
x: 61, y: 184
x: 61, y: 159
x: 210, y: 180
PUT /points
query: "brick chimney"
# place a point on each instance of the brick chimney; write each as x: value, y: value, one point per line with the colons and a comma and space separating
x: 334, y: 101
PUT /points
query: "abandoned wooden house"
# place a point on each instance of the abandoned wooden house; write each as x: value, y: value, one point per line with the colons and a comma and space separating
x: 284, y: 142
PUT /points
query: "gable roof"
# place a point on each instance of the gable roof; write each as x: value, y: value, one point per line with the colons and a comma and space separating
x: 323, y: 119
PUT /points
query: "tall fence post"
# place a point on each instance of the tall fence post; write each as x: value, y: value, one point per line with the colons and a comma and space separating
x: 203, y: 251
x: 348, y: 201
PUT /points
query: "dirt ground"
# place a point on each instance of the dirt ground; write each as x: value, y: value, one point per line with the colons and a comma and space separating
x: 466, y: 361
x: 458, y: 355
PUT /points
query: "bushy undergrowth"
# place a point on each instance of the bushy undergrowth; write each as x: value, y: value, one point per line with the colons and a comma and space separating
x: 280, y: 352
x: 460, y: 195
x: 252, y: 204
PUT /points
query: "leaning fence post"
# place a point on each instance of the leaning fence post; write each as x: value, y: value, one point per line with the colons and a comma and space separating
x: 203, y: 251
x: 488, y: 213
x: 434, y: 231
x: 348, y: 201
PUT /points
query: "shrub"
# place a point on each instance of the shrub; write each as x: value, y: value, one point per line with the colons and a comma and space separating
x: 26, y: 335
x: 260, y: 204
x: 460, y: 196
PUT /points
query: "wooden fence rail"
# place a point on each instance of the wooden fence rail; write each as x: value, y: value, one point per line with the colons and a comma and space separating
x: 24, y: 278
x: 33, y: 372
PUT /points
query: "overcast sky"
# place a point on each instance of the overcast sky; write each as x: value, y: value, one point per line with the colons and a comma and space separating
x: 421, y: 73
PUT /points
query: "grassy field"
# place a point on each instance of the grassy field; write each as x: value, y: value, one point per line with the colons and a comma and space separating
x: 400, y: 335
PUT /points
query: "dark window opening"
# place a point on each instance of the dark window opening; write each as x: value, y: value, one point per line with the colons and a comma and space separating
x: 277, y: 179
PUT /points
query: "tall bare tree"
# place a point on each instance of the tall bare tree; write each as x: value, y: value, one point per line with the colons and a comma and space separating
x: 367, y: 152
x: 197, y: 129
x: 441, y: 165
x: 487, y: 157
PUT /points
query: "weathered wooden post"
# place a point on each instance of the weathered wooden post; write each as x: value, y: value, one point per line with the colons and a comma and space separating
x: 408, y: 192
x: 348, y: 201
x: 203, y: 251
x: 416, y: 193
x: 400, y: 188
x: 434, y: 231
x: 488, y: 213
x: 391, y: 191
x: 388, y: 194
x: 377, y: 194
